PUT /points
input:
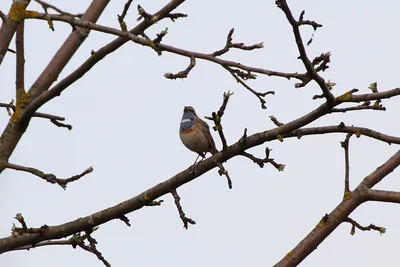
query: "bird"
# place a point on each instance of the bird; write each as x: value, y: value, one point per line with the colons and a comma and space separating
x: 195, y: 134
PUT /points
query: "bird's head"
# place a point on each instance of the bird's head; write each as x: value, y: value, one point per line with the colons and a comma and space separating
x: 189, y: 109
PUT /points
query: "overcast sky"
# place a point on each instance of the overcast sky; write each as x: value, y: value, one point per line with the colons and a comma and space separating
x: 126, y: 117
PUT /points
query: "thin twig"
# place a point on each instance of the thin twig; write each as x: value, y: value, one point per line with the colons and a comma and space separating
x: 47, y: 6
x: 257, y: 94
x: 182, y: 74
x: 216, y: 117
x: 359, y: 107
x: 10, y: 107
x: 275, y: 121
x: 92, y: 248
x: 355, y: 225
x: 261, y: 162
x: 186, y: 221
x: 48, y: 177
x: 229, y: 44
x: 122, y: 16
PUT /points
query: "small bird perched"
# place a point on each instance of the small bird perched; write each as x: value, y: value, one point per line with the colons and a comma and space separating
x: 195, y: 133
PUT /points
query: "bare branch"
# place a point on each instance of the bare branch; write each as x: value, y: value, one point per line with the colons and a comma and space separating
x: 240, y: 46
x: 3, y: 17
x: 216, y: 117
x: 382, y: 196
x: 51, y: 178
x: 174, y: 16
x: 341, y: 128
x: 20, y: 69
x: 92, y: 248
x: 53, y: 118
x: 16, y: 14
x: 355, y: 225
x: 345, y: 145
x: 122, y: 16
x: 186, y: 221
x: 182, y: 74
x: 282, y: 4
x: 46, y: 6
x: 275, y: 121
x: 261, y: 162
x: 257, y: 94
x: 143, y: 14
x: 338, y: 215
x: 359, y: 107
x: 223, y: 171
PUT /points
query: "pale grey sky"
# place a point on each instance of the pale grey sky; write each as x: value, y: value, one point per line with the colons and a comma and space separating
x: 126, y: 116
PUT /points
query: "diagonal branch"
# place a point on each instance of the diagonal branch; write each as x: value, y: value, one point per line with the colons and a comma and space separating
x: 7, y: 30
x: 142, y: 199
x: 282, y: 4
x: 332, y: 220
x: 14, y: 131
x: 186, y: 221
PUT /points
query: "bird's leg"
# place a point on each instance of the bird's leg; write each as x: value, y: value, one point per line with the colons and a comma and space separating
x: 194, y: 166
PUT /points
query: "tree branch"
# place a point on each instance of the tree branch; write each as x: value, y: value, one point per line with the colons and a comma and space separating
x: 121, y: 17
x: 7, y: 30
x: 331, y: 221
x: 355, y: 225
x: 10, y: 107
x: 46, y: 6
x: 186, y: 221
x: 382, y: 196
x: 345, y: 145
x: 48, y: 177
x: 20, y: 65
x: 282, y: 4
x: 341, y: 128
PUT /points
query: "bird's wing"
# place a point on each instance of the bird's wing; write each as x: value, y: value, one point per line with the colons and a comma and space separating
x: 206, y: 131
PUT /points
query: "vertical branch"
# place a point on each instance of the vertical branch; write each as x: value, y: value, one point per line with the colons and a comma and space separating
x: 345, y: 145
x: 20, y: 66
x: 9, y: 26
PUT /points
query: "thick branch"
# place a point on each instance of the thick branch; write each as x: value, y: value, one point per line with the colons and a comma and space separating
x: 141, y: 200
x: 382, y: 196
x: 20, y: 69
x: 13, y: 132
x: 7, y: 30
x: 337, y: 216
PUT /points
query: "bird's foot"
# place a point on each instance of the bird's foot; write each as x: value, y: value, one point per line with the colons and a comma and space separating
x: 193, y: 169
